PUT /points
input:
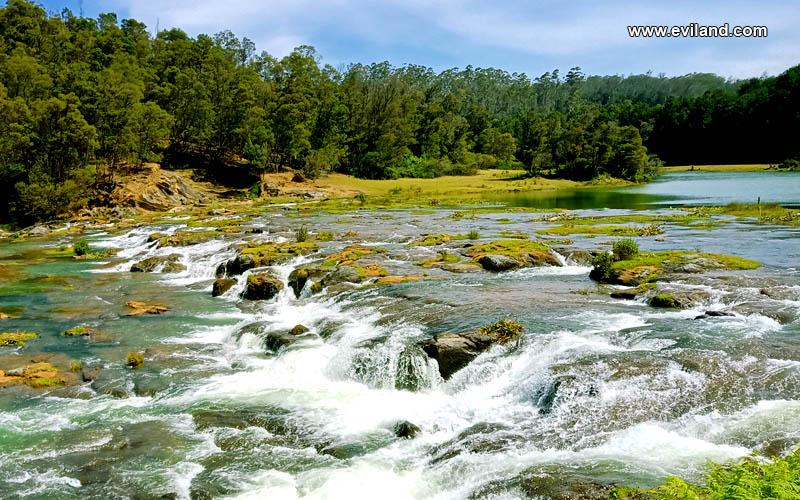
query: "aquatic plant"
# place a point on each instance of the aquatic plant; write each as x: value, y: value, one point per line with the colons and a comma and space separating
x: 504, y: 330
x: 302, y: 234
x: 473, y: 235
x: 81, y: 247
x: 16, y: 338
x: 324, y: 236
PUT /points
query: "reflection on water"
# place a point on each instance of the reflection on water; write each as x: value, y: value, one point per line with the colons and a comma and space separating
x: 672, y: 189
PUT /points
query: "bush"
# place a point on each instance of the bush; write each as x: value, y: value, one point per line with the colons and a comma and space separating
x: 302, y: 234
x: 361, y: 197
x: 625, y: 249
x: 602, y: 267
x: 474, y: 235
x: 504, y: 330
x: 81, y: 247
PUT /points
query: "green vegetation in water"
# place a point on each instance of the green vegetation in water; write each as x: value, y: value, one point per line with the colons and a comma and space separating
x: 324, y: 236
x: 752, y: 478
x: 443, y: 257
x: 428, y: 240
x: 186, y: 238
x: 302, y: 234
x: 506, y: 220
x: 657, y: 259
x: 62, y: 251
x: 264, y: 253
x: 77, y: 331
x: 514, y: 234
x: 81, y: 247
x: 566, y: 229
x: 633, y: 219
x: 16, y: 339
x: 509, y: 248
x: 351, y: 253
x: 663, y: 300
x: 767, y: 213
x: 219, y: 223
x: 473, y: 235
x: 40, y: 383
x: 625, y: 248
x: 504, y: 330
x: 76, y: 366
x: 135, y: 359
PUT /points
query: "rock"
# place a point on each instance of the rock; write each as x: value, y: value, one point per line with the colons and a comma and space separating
x: 153, y: 237
x: 498, y: 263
x: 454, y: 351
x: 632, y: 277
x: 271, y: 189
x: 165, y: 264
x: 39, y: 231
x: 466, y: 267
x: 626, y: 294
x: 298, y: 177
x: 78, y: 331
x: 187, y: 238
x: 343, y: 274
x: 679, y: 299
x: 778, y: 447
x: 406, y: 430
x: 238, y: 265
x: 159, y: 190
x: 90, y: 375
x: 714, y: 314
x: 300, y: 276
x: 556, y: 488
x: 218, y: 211
x: 298, y: 330
x: 579, y: 257
x: 221, y: 286
x: 138, y: 308
x: 262, y: 286
x: 781, y: 293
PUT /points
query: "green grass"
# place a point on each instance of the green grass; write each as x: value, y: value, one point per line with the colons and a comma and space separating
x: 16, y: 339
x: 504, y: 330
x: 638, y: 218
x: 768, y: 213
x: 437, y: 239
x: 40, y: 383
x: 443, y: 258
x: 657, y: 259
x: 566, y: 229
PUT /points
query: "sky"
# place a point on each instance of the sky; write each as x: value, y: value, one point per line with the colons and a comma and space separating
x: 530, y: 37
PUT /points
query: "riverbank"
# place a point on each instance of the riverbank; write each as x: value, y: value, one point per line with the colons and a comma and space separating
x: 750, y: 167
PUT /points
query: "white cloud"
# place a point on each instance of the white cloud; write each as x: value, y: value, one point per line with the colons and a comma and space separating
x: 457, y: 33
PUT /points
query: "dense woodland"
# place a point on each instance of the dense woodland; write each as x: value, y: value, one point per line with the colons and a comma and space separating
x: 82, y: 98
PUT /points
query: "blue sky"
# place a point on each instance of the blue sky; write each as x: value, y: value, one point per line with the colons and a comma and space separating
x: 529, y: 37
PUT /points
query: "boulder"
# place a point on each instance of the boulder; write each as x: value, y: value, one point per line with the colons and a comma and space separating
x: 164, y: 263
x: 237, y: 265
x: 153, y: 237
x: 498, y: 263
x: 39, y: 231
x: 299, y: 330
x: 454, y: 351
x: 275, y: 341
x: 626, y: 294
x: 221, y: 286
x: 159, y: 190
x: 343, y: 274
x: 406, y: 430
x: 714, y: 314
x: 300, y: 276
x: 681, y: 299
x: 262, y: 286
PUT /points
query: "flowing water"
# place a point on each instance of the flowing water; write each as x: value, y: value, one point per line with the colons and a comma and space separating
x: 597, y: 388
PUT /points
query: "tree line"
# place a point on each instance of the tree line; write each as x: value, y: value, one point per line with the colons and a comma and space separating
x: 82, y: 98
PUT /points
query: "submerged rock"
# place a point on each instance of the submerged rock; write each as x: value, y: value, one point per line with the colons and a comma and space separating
x: 139, y: 307
x: 714, y: 314
x: 166, y: 264
x: 262, y: 286
x: 221, y: 286
x: 406, y: 430
x: 680, y: 299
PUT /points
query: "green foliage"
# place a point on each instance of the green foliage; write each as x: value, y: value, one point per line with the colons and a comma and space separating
x: 473, y: 235
x: 504, y: 330
x: 81, y: 247
x: 324, y: 236
x: 301, y: 234
x: 625, y: 249
x: 602, y: 266
x: 255, y: 190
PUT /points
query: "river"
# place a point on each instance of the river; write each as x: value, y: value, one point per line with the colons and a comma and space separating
x: 597, y: 389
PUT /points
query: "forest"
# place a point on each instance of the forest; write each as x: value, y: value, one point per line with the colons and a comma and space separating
x: 83, y: 98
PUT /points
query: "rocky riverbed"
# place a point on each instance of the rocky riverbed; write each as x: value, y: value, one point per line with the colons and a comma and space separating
x: 287, y: 352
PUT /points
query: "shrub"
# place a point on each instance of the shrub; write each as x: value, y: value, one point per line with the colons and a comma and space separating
x: 302, y: 234
x: 255, y: 190
x: 474, y: 235
x: 361, y: 197
x: 504, y: 330
x: 602, y: 267
x: 625, y: 249
x: 81, y: 247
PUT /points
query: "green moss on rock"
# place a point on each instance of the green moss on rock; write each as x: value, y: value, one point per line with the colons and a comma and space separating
x: 16, y: 339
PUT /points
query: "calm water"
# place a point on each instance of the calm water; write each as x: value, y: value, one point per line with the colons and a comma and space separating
x: 635, y: 393
x: 673, y: 189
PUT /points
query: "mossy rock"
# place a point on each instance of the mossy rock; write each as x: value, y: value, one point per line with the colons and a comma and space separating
x: 324, y: 236
x: 16, y: 339
x: 135, y: 360
x: 442, y: 259
x: 262, y: 286
x: 271, y: 253
x: 663, y: 300
x: 350, y: 254
x: 428, y: 240
x: 524, y: 252
x: 187, y: 238
x: 647, y: 266
x: 78, y: 331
